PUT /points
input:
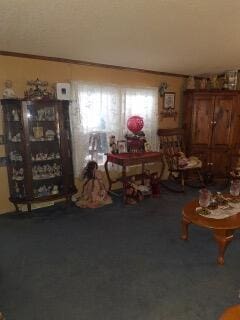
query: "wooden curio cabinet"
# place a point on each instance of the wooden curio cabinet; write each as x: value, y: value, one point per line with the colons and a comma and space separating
x: 211, y: 120
x: 38, y: 146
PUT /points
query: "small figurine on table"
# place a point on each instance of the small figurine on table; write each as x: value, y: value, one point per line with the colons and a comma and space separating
x: 113, y: 145
x: 155, y: 185
x: 133, y: 194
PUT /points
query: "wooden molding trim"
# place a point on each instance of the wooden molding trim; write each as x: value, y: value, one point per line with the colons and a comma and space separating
x: 87, y: 63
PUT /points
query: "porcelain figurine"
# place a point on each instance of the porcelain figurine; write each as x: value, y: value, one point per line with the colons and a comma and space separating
x: 203, y: 83
x: 8, y: 92
x: 190, y: 83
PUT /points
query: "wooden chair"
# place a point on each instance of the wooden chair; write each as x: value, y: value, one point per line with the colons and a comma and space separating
x: 179, y: 165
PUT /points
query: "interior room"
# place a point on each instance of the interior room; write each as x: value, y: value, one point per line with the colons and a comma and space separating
x: 119, y: 160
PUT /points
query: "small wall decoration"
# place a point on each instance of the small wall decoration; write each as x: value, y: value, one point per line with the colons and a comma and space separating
x: 122, y: 146
x: 169, y: 100
x: 162, y: 88
x: 63, y: 91
x: 2, y: 139
x: 169, y: 105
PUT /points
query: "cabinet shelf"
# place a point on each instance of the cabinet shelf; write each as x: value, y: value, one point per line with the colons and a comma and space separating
x: 46, y: 140
x: 46, y: 178
x: 46, y: 161
x: 34, y: 120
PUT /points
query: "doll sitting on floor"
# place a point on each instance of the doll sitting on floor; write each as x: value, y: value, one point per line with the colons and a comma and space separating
x: 94, y: 192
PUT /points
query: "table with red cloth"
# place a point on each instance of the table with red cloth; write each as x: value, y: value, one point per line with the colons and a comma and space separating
x: 130, y: 159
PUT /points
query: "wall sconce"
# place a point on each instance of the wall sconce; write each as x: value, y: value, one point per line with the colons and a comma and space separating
x: 162, y: 89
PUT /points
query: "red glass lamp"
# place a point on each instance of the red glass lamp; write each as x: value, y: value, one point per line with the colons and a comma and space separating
x: 135, y: 124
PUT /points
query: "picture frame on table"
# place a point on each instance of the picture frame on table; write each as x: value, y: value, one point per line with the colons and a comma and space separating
x: 122, y: 146
x: 147, y: 147
x: 169, y: 101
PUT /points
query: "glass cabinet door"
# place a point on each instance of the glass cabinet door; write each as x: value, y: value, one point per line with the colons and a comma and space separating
x: 44, y: 146
x: 14, y: 147
x: 70, y: 187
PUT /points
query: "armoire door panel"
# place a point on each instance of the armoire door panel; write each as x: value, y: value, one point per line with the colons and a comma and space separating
x: 235, y: 127
x: 220, y: 160
x: 202, y: 120
x: 222, y: 122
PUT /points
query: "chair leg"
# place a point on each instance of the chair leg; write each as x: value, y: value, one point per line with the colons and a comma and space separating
x: 201, y: 178
x: 182, y: 181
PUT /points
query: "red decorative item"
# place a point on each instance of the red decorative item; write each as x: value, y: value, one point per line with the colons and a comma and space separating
x: 135, y: 124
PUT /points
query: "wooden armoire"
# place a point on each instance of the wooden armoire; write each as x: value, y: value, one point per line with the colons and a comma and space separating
x: 211, y: 119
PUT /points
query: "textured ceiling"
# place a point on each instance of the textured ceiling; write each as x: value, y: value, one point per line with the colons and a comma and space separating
x: 178, y: 36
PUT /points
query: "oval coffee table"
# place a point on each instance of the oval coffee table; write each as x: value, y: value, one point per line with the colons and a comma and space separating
x: 223, y: 229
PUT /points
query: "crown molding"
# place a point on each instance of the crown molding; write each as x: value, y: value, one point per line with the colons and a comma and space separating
x: 87, y: 63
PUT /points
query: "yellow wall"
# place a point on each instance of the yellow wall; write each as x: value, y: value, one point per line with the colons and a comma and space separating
x: 19, y: 70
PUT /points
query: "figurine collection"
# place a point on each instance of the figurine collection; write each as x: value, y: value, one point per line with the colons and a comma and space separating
x: 45, y: 190
x: 46, y: 171
x: 41, y: 156
x: 43, y: 114
x: 15, y: 156
x: 18, y: 174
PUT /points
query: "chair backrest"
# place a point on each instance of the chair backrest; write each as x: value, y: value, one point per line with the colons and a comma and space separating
x: 171, y: 143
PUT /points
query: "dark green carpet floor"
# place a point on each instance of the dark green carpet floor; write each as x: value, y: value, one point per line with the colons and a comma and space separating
x: 114, y: 263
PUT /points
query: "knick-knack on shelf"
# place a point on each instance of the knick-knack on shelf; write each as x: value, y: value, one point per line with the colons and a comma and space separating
x: 8, y: 92
x: 190, y: 83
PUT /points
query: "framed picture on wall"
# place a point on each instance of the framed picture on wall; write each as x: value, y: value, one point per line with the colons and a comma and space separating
x: 169, y: 101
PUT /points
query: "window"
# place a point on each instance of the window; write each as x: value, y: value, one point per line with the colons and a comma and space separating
x: 97, y: 112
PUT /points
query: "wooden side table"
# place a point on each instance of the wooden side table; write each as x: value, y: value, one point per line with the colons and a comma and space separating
x: 129, y: 159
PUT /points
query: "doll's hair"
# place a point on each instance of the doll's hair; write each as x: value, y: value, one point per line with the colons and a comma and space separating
x: 88, y: 171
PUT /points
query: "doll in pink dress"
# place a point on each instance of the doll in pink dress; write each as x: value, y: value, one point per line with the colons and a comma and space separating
x: 94, y: 193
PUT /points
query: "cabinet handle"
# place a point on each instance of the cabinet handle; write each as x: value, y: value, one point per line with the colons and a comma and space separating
x: 213, y: 122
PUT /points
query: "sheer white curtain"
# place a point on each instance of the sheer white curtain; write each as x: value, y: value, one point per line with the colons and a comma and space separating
x: 99, y: 111
x: 143, y: 103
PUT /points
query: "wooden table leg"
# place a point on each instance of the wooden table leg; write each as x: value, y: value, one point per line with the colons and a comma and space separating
x: 223, y: 238
x: 124, y: 181
x: 185, y: 224
x: 143, y: 169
